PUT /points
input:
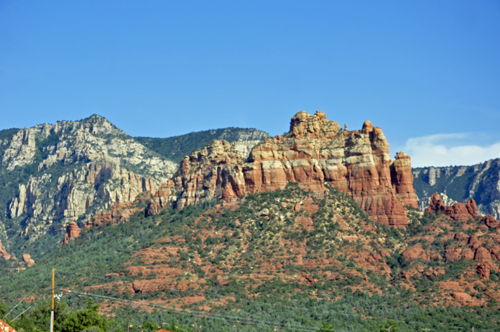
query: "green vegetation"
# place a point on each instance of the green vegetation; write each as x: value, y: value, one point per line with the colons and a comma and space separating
x: 242, y: 244
x: 175, y: 148
x: 456, y: 187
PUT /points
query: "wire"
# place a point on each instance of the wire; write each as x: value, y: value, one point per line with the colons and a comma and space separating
x: 18, y: 303
x: 202, y: 313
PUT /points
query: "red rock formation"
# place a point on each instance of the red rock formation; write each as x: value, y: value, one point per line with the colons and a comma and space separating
x: 3, y: 253
x: 72, y: 232
x: 120, y: 212
x: 453, y: 254
x: 4, y: 327
x: 315, y: 152
x: 458, y: 212
x: 491, y: 222
x: 467, y: 253
x: 28, y: 260
x: 483, y: 270
x: 158, y: 201
x: 472, y: 207
x: 402, y: 179
x: 414, y: 252
x: 482, y: 255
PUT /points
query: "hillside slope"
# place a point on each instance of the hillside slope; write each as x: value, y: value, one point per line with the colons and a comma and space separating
x: 55, y: 174
x: 284, y: 256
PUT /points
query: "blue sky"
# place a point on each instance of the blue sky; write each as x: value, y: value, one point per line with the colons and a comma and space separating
x: 426, y: 72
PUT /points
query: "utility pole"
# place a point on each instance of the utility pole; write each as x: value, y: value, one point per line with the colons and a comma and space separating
x: 52, y: 309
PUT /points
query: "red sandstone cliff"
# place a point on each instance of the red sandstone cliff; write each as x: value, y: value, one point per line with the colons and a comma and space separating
x: 315, y: 152
x: 72, y: 232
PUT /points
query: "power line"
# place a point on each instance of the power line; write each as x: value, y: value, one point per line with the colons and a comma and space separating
x: 202, y: 313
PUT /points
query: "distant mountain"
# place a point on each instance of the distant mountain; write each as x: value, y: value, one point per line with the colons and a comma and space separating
x: 55, y: 174
x: 176, y: 147
x: 459, y: 183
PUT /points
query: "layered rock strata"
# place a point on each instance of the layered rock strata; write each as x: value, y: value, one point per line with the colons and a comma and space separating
x: 315, y: 153
x: 82, y: 167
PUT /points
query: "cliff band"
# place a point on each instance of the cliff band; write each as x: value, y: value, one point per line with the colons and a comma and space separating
x: 314, y: 153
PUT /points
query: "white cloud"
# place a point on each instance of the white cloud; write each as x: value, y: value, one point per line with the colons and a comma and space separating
x: 446, y: 150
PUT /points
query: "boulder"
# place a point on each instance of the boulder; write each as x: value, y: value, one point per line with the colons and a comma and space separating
x: 482, y: 255
x: 28, y: 260
x: 414, y: 252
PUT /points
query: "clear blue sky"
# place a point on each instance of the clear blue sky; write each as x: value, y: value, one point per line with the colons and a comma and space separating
x: 426, y: 72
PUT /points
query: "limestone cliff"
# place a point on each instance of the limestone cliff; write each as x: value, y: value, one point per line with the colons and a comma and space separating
x: 79, y: 168
x: 459, y: 183
x: 315, y: 153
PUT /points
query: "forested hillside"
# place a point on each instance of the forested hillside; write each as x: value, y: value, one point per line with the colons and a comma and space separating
x: 284, y: 258
x: 176, y: 147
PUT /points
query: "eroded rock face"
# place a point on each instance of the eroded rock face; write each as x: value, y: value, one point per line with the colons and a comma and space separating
x: 483, y: 270
x: 491, y: 222
x: 102, y: 166
x: 315, y: 152
x: 458, y: 212
x: 482, y: 255
x: 72, y: 232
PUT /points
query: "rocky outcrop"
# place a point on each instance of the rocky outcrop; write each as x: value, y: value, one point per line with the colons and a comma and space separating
x: 3, y: 253
x: 315, y: 153
x: 483, y: 270
x: 491, y: 222
x: 28, y: 260
x: 161, y: 199
x: 481, y: 182
x: 72, y: 232
x: 482, y: 255
x: 4, y: 327
x: 82, y: 167
x: 117, y: 214
x: 458, y: 212
x: 402, y: 179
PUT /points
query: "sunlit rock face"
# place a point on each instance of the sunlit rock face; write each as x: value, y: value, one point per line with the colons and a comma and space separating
x: 80, y: 168
x: 314, y: 153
